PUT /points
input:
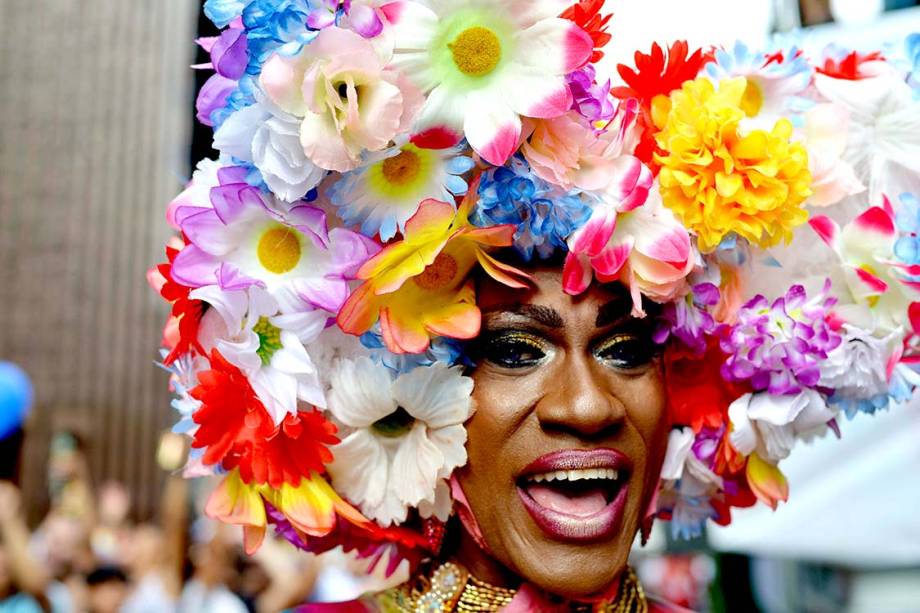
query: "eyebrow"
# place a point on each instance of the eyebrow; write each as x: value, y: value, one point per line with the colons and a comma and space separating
x: 612, y: 311
x: 544, y: 315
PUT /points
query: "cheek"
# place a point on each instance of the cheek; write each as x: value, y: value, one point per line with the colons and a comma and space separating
x: 494, y: 443
x: 648, y: 414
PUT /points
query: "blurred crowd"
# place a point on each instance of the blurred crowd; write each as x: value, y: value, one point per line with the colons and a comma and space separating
x: 86, y: 555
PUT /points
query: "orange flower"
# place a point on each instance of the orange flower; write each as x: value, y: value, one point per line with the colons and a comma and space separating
x: 420, y: 286
x: 312, y: 507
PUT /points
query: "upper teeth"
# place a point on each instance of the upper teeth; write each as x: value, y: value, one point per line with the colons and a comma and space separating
x: 576, y: 475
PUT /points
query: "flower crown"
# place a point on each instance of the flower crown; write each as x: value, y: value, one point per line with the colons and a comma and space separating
x: 374, y: 154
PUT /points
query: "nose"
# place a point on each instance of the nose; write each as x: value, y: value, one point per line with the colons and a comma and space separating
x: 583, y: 402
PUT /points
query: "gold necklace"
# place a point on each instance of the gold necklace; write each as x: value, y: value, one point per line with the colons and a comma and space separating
x: 452, y: 588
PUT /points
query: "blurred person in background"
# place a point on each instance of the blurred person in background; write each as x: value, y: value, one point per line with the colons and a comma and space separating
x: 107, y: 587
x: 155, y: 585
x: 155, y: 555
x: 69, y: 483
x: 63, y: 541
x: 111, y: 535
x: 208, y: 589
x: 22, y: 580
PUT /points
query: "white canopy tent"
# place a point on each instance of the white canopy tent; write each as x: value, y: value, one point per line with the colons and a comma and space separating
x: 853, y: 501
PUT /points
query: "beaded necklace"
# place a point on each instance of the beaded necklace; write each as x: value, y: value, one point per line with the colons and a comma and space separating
x: 451, y: 588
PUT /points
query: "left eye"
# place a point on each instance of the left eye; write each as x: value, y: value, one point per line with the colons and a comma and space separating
x: 626, y: 351
x: 511, y: 350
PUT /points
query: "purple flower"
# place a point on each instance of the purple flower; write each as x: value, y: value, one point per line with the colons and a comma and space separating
x: 361, y: 18
x: 689, y: 320
x: 230, y: 53
x: 213, y: 96
x: 240, y: 236
x: 779, y: 348
x: 592, y: 100
x: 229, y: 58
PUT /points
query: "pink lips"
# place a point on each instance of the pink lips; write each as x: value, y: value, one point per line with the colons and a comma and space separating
x: 599, y: 525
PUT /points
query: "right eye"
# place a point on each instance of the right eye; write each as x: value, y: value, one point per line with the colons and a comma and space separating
x: 513, y: 350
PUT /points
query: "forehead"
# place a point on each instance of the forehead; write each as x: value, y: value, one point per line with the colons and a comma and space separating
x: 546, y: 291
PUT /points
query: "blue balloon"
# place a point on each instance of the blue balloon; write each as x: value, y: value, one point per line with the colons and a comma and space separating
x: 16, y: 396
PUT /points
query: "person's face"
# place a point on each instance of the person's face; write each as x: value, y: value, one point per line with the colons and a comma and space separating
x: 107, y: 597
x: 567, y: 441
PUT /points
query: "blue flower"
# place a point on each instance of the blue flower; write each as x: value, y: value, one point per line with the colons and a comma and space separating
x: 222, y: 12
x: 276, y: 26
x: 904, y: 381
x: 544, y: 214
x: 381, y: 196
x: 787, y: 64
x: 780, y: 80
x: 912, y: 50
x: 689, y: 515
x: 442, y: 349
x: 907, y: 249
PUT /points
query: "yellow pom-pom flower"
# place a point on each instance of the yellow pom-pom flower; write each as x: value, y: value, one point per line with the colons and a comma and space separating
x: 719, y: 179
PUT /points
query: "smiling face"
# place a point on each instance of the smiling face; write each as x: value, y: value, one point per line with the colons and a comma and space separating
x: 567, y: 442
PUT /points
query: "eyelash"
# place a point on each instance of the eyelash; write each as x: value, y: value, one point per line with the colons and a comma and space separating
x: 507, y: 342
x: 518, y: 350
x: 634, y: 351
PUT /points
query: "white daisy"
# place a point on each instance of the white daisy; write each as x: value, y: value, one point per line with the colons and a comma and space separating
x: 268, y: 347
x: 484, y: 65
x: 883, y: 144
x: 403, y: 436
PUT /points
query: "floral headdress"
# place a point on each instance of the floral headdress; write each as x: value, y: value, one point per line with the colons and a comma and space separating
x: 374, y: 154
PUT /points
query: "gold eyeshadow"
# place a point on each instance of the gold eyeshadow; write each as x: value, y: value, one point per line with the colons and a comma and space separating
x: 509, y: 348
x: 634, y: 351
x: 516, y: 337
x: 613, y: 341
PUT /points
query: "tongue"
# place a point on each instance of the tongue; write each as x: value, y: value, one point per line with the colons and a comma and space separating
x: 582, y: 504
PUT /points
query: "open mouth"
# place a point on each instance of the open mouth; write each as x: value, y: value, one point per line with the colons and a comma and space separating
x: 579, y: 493
x: 576, y: 495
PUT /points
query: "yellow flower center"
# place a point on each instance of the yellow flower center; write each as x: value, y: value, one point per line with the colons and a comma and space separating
x: 477, y: 51
x: 279, y: 250
x: 269, y: 339
x: 438, y: 274
x: 752, y: 99
x: 402, y: 169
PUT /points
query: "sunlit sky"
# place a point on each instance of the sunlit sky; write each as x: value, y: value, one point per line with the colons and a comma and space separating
x: 638, y: 23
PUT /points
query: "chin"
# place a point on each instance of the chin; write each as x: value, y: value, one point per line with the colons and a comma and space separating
x: 574, y: 571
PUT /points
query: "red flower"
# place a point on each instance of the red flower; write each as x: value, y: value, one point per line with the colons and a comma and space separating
x: 850, y: 67
x: 181, y: 334
x: 778, y: 57
x: 237, y: 431
x: 657, y: 74
x: 698, y: 396
x: 587, y: 14
x: 370, y: 542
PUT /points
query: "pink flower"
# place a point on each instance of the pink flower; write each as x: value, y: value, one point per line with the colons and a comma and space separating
x: 637, y: 242
x: 833, y: 179
x: 347, y: 101
x: 567, y: 151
